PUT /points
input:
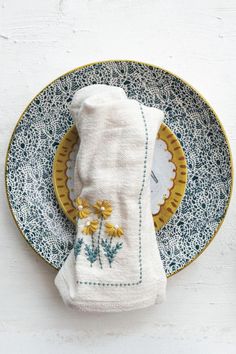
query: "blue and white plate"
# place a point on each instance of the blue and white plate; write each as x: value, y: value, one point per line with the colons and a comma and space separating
x: 45, y: 121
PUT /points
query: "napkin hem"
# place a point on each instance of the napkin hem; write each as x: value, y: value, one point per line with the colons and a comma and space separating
x: 91, y: 306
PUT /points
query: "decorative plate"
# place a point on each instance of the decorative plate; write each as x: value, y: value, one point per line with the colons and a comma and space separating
x: 29, y: 161
x: 167, y: 183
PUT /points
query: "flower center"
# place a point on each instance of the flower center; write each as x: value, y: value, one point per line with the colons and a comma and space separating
x: 116, y: 227
x: 80, y: 207
x: 102, y: 208
x: 87, y: 223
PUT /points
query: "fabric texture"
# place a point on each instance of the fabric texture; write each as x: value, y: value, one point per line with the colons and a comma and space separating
x: 115, y: 264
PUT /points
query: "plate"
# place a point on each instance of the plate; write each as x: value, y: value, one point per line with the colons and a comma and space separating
x: 31, y: 151
x: 167, y: 183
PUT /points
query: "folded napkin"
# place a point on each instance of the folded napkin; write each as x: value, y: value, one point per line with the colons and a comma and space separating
x: 115, y: 264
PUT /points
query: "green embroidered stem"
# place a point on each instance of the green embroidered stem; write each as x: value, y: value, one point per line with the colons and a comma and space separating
x: 93, y: 248
x: 92, y: 242
x: 99, y: 235
x: 111, y: 240
x: 91, y: 254
x: 77, y: 247
x: 110, y: 248
x: 110, y: 251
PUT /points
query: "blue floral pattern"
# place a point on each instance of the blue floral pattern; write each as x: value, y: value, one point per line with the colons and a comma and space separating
x: 45, y: 121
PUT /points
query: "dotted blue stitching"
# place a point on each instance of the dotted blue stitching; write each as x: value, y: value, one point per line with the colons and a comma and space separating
x: 140, y: 217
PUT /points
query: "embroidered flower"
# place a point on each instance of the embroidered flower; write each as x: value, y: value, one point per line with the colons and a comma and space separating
x: 113, y: 230
x: 82, y: 207
x: 90, y: 227
x: 103, y: 208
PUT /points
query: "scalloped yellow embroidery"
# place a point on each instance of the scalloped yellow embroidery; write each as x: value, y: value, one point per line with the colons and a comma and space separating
x: 90, y: 227
x: 113, y: 230
x: 103, y: 208
x: 82, y: 208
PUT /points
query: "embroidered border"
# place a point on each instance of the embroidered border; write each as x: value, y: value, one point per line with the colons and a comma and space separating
x: 140, y: 216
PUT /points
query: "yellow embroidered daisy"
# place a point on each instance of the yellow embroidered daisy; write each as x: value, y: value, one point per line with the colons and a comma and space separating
x: 113, y: 230
x: 103, y: 208
x: 82, y: 207
x: 90, y: 227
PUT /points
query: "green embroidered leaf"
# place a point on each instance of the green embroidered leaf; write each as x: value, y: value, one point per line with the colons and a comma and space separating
x: 78, y: 246
x: 109, y: 250
x: 91, y: 253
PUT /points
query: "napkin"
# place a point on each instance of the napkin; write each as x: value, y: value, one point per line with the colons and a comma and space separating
x: 115, y: 263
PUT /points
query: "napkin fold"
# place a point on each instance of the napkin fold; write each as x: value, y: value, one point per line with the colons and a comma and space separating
x: 115, y: 263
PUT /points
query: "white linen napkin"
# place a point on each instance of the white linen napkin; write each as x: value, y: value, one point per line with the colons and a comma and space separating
x: 115, y: 264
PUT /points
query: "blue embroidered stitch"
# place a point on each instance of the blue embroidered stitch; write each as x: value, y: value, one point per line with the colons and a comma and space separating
x: 78, y: 246
x: 109, y: 250
x: 91, y: 253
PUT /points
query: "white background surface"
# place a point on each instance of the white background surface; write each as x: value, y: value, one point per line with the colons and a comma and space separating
x: 40, y: 40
